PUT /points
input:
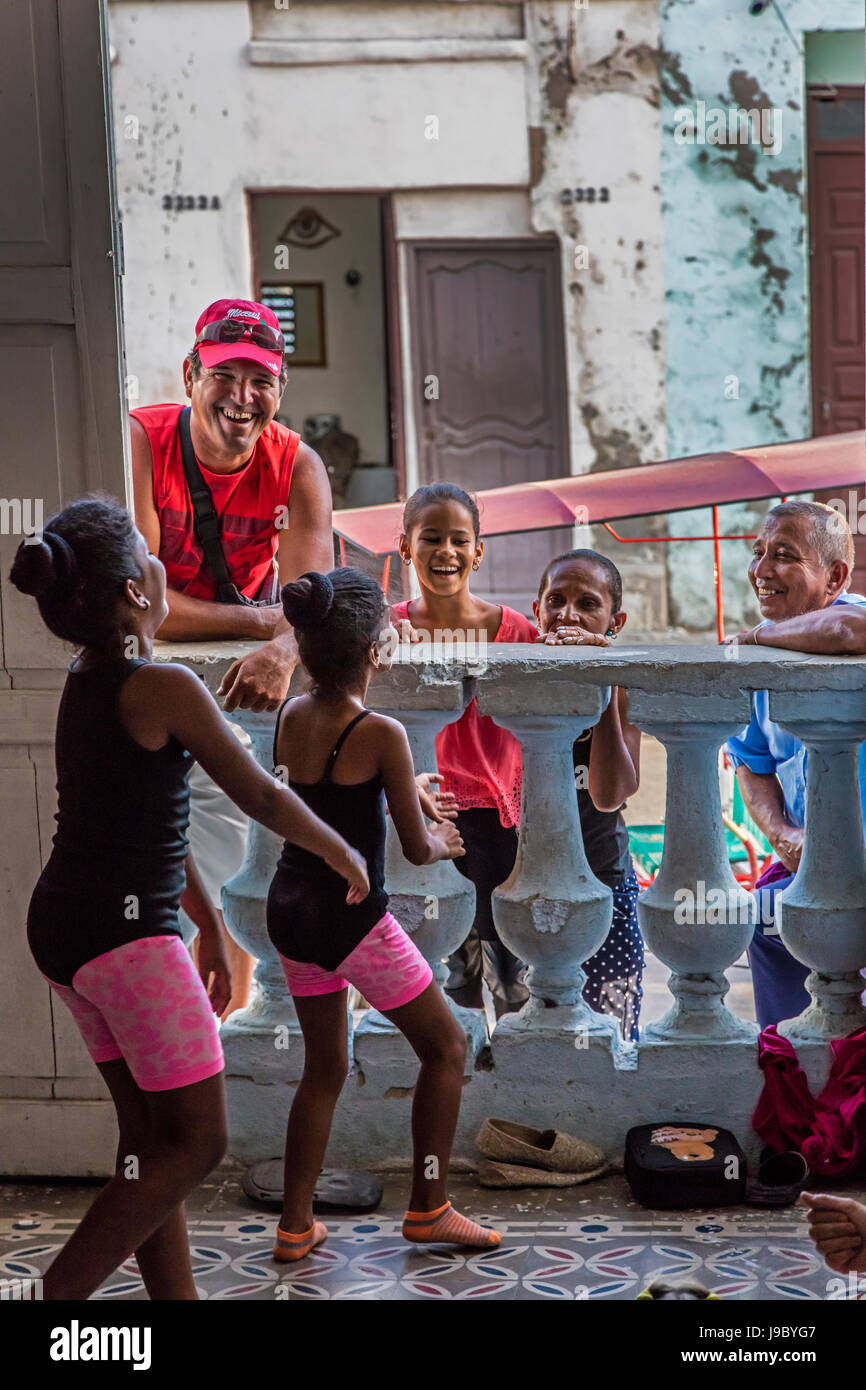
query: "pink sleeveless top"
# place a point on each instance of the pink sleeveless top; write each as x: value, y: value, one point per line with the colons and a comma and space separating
x: 479, y: 762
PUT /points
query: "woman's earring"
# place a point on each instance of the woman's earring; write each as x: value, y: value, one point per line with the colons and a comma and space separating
x: 475, y: 564
x: 405, y: 561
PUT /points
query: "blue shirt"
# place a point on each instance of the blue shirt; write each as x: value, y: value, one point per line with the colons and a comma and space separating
x: 766, y: 747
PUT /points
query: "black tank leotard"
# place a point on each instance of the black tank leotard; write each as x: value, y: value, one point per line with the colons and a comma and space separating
x: 308, y: 916
x: 605, y: 834
x: 116, y: 872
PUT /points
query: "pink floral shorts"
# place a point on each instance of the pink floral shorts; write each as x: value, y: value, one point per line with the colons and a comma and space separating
x: 145, y: 1002
x: 386, y: 967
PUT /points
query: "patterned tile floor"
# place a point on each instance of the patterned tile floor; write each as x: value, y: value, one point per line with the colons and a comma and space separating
x: 584, y: 1242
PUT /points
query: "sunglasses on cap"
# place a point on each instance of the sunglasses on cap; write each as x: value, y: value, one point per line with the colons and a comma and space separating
x: 232, y: 330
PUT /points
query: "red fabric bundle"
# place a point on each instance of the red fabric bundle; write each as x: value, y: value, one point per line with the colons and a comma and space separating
x: 830, y: 1131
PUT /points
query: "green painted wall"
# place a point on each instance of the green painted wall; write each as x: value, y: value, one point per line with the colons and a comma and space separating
x: 736, y: 250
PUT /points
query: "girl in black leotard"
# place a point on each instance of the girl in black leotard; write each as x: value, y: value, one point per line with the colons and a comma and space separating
x: 103, y: 917
x: 343, y: 761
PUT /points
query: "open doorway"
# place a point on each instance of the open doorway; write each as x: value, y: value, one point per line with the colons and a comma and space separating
x: 324, y: 262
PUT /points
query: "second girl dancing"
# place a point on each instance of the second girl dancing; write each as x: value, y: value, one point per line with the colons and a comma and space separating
x: 343, y: 760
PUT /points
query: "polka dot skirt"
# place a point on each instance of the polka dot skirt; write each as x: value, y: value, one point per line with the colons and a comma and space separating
x: 613, y: 974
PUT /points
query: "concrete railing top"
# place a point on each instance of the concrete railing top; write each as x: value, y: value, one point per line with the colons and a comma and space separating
x: 510, y: 677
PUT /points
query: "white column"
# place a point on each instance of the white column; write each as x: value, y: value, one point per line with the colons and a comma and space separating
x: 552, y: 911
x: 270, y: 1010
x: 694, y: 916
x: 433, y: 903
x: 822, y: 915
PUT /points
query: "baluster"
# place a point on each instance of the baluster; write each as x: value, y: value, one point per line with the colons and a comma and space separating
x: 822, y: 916
x: 695, y: 880
x: 252, y: 1036
x: 433, y: 903
x: 552, y: 911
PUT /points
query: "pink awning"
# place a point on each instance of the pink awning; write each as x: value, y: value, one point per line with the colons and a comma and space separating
x: 705, y: 480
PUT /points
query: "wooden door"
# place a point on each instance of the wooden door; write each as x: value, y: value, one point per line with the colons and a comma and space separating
x: 62, y: 433
x: 836, y: 197
x: 488, y: 362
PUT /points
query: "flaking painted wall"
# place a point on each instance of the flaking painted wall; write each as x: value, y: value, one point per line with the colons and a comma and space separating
x: 736, y: 260
x: 593, y: 78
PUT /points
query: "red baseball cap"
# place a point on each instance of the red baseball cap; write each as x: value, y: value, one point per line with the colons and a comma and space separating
x: 240, y: 311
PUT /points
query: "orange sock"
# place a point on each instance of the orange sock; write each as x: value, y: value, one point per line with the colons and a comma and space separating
x: 447, y: 1226
x: 295, y: 1247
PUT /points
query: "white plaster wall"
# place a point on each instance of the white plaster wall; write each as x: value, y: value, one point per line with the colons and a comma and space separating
x: 600, y: 128
x: 367, y: 19
x: 461, y: 212
x: 210, y: 123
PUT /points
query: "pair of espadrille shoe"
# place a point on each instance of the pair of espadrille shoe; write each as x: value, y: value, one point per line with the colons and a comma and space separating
x: 519, y: 1156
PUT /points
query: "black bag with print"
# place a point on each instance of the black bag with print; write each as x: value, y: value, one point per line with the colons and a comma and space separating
x: 684, y: 1163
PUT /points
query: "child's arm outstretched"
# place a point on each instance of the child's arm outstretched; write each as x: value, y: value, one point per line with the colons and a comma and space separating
x: 174, y: 699
x: 421, y: 844
x: 614, y: 759
x: 435, y: 803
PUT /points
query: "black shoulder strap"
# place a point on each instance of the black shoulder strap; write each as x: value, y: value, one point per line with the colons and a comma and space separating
x: 334, y: 753
x: 274, y: 763
x: 206, y: 523
x: 125, y: 666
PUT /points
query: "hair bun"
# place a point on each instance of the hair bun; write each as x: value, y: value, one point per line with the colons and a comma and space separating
x: 308, y: 600
x: 40, y: 565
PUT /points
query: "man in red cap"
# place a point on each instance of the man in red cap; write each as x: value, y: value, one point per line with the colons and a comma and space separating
x: 234, y: 378
x: 271, y: 495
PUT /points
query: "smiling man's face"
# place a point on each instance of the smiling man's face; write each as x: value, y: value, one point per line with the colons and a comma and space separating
x: 786, y: 572
x: 232, y: 403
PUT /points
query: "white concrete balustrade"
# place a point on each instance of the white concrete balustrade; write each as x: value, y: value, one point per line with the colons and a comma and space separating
x: 557, y: 1062
x: 824, y: 910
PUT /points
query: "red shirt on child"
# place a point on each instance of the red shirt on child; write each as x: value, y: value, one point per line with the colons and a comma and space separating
x: 480, y: 762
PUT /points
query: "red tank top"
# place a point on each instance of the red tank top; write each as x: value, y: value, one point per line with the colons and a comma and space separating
x: 246, y: 501
x: 480, y: 762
